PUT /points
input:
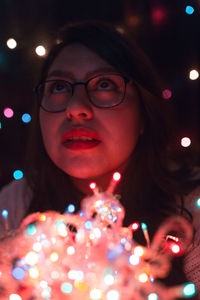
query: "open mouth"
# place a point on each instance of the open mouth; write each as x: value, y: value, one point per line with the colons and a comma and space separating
x: 80, y: 138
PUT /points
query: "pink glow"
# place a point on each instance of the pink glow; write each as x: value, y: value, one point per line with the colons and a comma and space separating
x: 8, y: 112
x: 166, y: 94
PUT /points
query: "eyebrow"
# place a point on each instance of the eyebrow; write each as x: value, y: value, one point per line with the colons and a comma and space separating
x: 61, y: 73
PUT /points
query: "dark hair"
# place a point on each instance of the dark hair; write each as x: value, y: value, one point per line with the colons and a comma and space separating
x: 149, y: 188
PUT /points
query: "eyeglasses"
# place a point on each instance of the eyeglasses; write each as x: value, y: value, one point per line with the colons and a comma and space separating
x: 104, y: 91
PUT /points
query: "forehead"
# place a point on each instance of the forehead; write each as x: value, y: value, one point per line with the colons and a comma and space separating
x: 76, y: 60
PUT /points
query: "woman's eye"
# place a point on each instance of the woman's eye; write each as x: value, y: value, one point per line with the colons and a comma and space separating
x: 59, y: 87
x: 106, y: 85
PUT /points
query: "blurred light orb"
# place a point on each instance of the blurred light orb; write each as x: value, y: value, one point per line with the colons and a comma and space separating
x: 152, y: 296
x: 185, y: 142
x: 15, y: 297
x: 26, y: 118
x: 158, y: 15
x: 189, y: 10
x: 8, y: 112
x: 194, y: 74
x: 11, y: 43
x: 40, y: 50
x: 18, y: 174
x: 166, y: 94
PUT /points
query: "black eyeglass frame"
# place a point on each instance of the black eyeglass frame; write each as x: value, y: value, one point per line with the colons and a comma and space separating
x: 40, y: 94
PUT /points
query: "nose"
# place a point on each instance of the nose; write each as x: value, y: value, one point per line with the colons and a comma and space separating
x: 79, y: 106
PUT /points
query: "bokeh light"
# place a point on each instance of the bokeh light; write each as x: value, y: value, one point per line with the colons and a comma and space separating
x: 185, y: 142
x: 158, y: 15
x: 40, y: 50
x: 189, y: 290
x: 26, y: 118
x: 18, y: 174
x: 11, y: 43
x: 189, y: 10
x: 153, y: 296
x: 15, y: 297
x: 198, y: 202
x: 166, y: 94
x: 8, y: 112
x: 194, y: 74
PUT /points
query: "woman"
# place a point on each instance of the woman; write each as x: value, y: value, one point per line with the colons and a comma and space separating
x: 99, y: 110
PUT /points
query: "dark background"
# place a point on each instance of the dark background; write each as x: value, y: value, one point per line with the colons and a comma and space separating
x: 169, y: 36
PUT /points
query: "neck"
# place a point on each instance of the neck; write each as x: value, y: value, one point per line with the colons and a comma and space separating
x: 102, y: 182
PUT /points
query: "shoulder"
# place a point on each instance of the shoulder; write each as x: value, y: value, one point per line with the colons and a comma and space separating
x: 192, y: 258
x: 15, y: 198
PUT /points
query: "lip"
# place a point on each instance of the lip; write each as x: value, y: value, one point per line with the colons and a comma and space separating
x: 80, y: 144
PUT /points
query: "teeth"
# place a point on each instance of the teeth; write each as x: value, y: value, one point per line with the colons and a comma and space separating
x: 82, y: 138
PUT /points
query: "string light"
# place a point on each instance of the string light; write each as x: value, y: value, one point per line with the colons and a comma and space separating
x: 11, y: 43
x: 153, y: 296
x: 198, y: 202
x: 8, y: 112
x: 194, y: 74
x: 26, y: 118
x: 40, y: 50
x: 185, y: 142
x: 105, y: 261
x: 166, y: 94
x: 18, y: 174
x: 189, y: 290
x: 189, y: 10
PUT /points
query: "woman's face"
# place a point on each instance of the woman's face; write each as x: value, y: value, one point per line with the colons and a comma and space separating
x: 84, y: 141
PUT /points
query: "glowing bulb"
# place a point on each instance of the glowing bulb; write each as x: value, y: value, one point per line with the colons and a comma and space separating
x: 66, y: 288
x: 143, y: 277
x: 109, y: 279
x: 31, y: 258
x: 26, y: 118
x: 198, y: 202
x: 116, y: 176
x: 70, y: 250
x: 134, y: 260
x: 18, y: 273
x: 194, y: 74
x: 18, y: 174
x: 189, y: 10
x: 11, y: 43
x: 166, y: 94
x: 175, y: 249
x: 40, y: 50
x: 135, y: 226
x: 138, y: 250
x: 8, y: 112
x: 33, y: 272
x: 15, y: 297
x: 92, y: 185
x: 42, y: 218
x: 112, y: 295
x: 37, y: 247
x: 4, y: 213
x: 152, y: 296
x: 189, y: 290
x: 54, y: 257
x: 185, y: 142
x: 96, y: 294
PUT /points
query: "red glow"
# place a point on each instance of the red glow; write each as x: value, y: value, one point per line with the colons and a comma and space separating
x: 135, y: 226
x: 158, y: 15
x: 92, y: 185
x: 166, y: 94
x: 175, y: 248
x: 116, y: 176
